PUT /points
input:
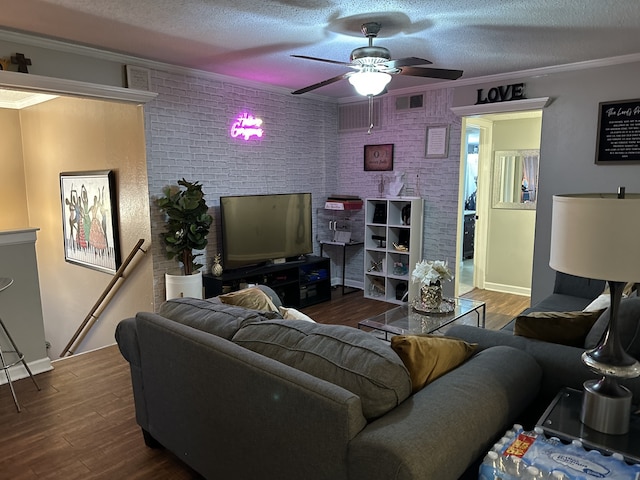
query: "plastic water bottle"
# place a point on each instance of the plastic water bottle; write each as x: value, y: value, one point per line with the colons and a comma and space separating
x: 558, y: 475
x: 499, y: 445
x: 491, y: 467
x: 532, y: 473
x: 514, y: 466
x: 618, y: 456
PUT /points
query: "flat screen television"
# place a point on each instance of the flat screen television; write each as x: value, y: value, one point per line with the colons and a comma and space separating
x: 260, y: 228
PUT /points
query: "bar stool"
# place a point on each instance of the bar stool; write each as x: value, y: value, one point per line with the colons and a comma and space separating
x: 4, y: 284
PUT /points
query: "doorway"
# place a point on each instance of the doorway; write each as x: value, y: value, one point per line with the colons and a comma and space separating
x: 495, y: 237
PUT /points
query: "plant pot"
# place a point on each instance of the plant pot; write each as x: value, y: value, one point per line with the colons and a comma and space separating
x: 178, y: 286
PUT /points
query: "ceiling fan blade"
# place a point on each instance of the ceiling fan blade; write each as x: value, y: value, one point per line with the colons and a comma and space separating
x: 407, y: 62
x: 431, y: 72
x: 322, y: 60
x: 322, y: 84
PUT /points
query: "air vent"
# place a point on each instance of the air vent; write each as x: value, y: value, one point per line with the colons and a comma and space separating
x: 355, y: 116
x: 410, y: 102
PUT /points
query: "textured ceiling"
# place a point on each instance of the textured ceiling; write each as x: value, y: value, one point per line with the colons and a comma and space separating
x: 253, y: 39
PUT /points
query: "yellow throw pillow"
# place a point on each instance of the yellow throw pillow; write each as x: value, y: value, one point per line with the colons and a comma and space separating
x: 252, y: 298
x: 428, y: 357
x: 566, y: 328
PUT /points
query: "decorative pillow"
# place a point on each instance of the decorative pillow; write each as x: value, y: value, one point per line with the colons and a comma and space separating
x: 604, y: 300
x: 628, y: 327
x: 253, y: 298
x: 599, y: 304
x: 344, y: 356
x: 293, y: 314
x: 428, y: 357
x: 211, y: 316
x: 566, y: 328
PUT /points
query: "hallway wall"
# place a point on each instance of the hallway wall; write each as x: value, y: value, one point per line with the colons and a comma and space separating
x: 13, y: 190
x: 73, y: 134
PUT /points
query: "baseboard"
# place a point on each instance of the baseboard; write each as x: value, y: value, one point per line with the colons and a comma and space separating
x: 18, y: 371
x: 498, y: 287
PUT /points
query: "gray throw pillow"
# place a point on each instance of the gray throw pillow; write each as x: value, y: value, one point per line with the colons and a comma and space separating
x: 628, y: 327
x: 345, y: 356
x: 211, y: 316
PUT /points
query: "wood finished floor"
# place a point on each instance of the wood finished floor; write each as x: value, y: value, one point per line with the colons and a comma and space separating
x: 81, y: 425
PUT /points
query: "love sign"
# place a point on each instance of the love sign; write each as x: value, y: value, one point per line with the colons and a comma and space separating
x: 503, y: 93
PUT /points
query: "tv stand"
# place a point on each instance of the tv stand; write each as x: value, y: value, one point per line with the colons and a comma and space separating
x: 298, y: 283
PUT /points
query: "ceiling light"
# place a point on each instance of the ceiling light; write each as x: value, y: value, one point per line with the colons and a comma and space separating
x: 369, y: 82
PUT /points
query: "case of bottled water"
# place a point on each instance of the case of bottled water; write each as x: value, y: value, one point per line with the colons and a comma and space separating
x: 532, y: 456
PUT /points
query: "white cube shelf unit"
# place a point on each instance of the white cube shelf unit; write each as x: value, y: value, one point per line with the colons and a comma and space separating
x: 391, y: 223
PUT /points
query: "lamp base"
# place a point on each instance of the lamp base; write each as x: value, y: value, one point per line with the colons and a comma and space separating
x: 606, y: 411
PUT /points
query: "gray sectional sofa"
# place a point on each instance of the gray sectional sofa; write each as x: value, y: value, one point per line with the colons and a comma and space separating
x: 561, y: 364
x: 202, y: 391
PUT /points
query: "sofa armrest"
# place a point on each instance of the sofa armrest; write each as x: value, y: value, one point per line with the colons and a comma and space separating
x: 561, y: 365
x: 440, y: 431
x: 127, y: 339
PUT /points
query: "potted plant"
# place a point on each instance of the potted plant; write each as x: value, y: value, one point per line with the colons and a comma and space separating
x: 186, y: 230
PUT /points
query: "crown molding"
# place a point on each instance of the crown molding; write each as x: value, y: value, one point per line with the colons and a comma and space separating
x: 502, y: 107
x: 500, y: 77
x: 59, y: 45
x: 60, y: 86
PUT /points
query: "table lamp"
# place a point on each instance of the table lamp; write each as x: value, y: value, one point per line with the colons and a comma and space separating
x: 597, y: 236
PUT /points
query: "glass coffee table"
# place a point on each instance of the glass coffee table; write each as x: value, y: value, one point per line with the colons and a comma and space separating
x: 404, y: 320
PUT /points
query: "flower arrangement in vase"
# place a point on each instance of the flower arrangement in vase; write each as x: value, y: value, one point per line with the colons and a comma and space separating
x: 430, y: 274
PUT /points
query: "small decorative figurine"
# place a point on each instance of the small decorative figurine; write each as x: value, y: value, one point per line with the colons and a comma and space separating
x: 216, y: 268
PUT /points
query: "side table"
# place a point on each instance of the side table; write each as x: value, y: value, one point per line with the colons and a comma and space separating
x: 344, y: 258
x: 562, y: 419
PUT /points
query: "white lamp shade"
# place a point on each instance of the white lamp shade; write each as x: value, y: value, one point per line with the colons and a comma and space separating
x: 596, y: 236
x: 369, y: 83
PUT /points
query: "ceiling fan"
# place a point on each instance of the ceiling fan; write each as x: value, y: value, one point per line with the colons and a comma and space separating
x: 372, y: 67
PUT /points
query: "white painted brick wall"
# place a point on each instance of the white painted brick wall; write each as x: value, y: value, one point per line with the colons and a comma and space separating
x: 187, y: 129
x: 438, y: 178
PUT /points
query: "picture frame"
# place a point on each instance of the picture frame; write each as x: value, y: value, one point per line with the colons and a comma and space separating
x: 378, y: 158
x: 617, y: 137
x: 437, y: 141
x: 90, y: 220
x: 138, y: 78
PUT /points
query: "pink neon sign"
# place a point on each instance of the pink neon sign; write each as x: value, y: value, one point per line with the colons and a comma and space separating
x: 247, y: 126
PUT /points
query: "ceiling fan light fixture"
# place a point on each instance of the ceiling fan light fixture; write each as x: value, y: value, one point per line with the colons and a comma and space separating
x: 369, y: 82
